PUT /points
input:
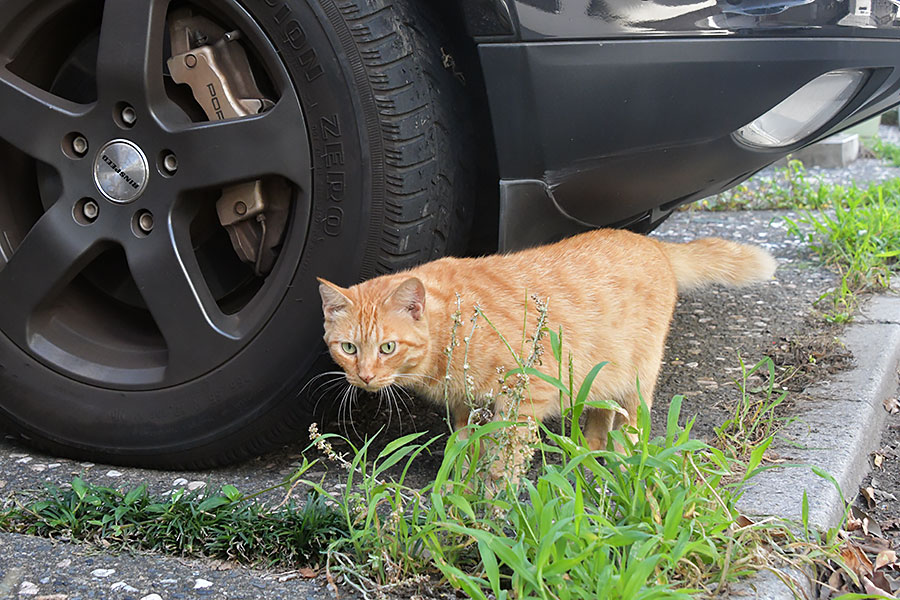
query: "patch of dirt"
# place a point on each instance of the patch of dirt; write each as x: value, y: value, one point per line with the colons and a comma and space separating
x: 882, y: 502
x: 806, y: 356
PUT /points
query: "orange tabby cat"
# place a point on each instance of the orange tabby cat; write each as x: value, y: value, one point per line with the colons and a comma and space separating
x: 612, y: 291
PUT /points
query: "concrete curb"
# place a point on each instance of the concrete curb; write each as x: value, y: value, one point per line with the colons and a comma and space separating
x: 839, y: 425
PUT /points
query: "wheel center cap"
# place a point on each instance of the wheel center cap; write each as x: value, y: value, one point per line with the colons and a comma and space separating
x: 121, y: 171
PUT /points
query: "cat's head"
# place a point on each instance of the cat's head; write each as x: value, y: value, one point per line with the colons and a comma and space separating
x: 376, y: 331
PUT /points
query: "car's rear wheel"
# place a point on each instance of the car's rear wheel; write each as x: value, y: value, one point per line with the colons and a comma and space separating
x: 177, y: 174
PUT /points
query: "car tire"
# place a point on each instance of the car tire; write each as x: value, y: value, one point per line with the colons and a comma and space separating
x: 93, y: 362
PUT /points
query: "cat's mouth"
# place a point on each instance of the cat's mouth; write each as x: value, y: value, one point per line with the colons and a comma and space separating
x: 372, y: 386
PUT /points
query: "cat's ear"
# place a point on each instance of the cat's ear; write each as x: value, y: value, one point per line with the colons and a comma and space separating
x: 409, y: 297
x: 334, y: 298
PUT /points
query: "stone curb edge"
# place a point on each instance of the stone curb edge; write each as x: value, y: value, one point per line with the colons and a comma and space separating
x: 840, y: 424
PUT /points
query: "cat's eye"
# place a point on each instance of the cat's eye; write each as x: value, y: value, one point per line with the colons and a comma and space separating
x: 348, y: 348
x: 388, y: 347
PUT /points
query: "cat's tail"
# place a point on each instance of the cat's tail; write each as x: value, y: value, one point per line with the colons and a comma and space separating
x: 714, y: 260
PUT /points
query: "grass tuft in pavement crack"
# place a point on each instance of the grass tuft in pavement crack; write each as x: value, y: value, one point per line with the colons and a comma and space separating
x: 859, y: 237
x: 757, y: 416
x: 224, y: 525
x: 886, y: 151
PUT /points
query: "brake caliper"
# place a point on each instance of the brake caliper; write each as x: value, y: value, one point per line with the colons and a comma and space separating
x: 214, y: 64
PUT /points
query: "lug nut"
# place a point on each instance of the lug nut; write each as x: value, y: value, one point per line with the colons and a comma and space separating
x: 190, y: 61
x: 170, y: 164
x: 145, y: 222
x: 80, y: 145
x: 90, y: 210
x: 128, y: 115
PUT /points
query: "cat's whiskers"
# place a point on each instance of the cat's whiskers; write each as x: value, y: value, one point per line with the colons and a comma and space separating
x: 329, y: 390
x: 345, y: 409
x: 385, y: 394
x: 400, y: 396
x: 323, y: 390
x: 316, y: 378
x: 416, y: 378
x: 403, y: 395
x: 392, y: 404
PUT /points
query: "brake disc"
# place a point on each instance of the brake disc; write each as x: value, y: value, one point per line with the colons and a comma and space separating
x: 213, y: 63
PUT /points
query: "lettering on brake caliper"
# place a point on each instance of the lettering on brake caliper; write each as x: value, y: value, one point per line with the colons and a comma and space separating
x: 214, y: 98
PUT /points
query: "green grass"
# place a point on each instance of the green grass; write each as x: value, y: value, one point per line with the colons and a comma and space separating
x: 657, y: 521
x: 791, y: 188
x: 886, y: 151
x: 860, y: 238
x: 224, y: 525
x: 756, y: 417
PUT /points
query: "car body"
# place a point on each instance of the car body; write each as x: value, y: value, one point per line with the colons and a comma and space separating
x: 615, y: 112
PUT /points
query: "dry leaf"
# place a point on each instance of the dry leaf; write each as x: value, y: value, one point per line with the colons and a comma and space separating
x: 743, y: 521
x: 878, y: 586
x: 835, y: 581
x: 857, y: 516
x: 856, y: 560
x: 308, y: 573
x: 885, y: 495
x: 892, y: 405
x: 869, y: 494
x: 885, y: 557
x: 878, y: 460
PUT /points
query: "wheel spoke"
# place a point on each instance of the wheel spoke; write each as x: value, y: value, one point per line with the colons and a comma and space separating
x: 35, y: 121
x: 53, y: 252
x: 197, y: 334
x: 130, y: 57
x: 217, y: 153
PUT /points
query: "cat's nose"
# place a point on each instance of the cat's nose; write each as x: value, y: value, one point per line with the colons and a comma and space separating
x: 367, y: 377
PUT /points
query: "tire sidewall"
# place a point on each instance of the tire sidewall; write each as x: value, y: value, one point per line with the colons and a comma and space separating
x: 203, y: 419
